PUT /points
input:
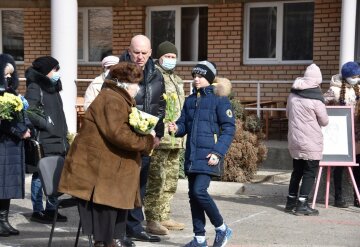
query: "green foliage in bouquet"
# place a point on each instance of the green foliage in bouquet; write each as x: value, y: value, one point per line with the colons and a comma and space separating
x: 247, y: 150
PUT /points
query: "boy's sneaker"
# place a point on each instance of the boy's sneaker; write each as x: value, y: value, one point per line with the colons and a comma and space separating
x: 222, y: 237
x: 194, y: 243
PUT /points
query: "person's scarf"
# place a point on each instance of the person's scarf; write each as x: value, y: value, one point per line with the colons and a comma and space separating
x: 310, y: 93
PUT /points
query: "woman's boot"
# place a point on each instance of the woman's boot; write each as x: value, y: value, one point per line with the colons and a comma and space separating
x: 290, y: 204
x: 4, y: 217
x: 3, y: 230
x: 303, y: 208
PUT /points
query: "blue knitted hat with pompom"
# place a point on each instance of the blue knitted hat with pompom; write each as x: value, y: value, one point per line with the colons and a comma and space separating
x: 350, y: 69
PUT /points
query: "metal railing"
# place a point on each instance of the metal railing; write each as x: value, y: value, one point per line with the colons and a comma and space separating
x: 258, y: 83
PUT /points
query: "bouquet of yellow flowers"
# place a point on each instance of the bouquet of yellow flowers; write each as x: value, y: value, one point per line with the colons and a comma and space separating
x: 171, y: 111
x: 142, y: 122
x: 10, y: 105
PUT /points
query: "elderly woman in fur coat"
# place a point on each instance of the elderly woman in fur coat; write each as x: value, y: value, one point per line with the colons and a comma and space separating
x: 102, y: 168
x: 307, y: 114
x: 12, y: 134
x: 208, y: 121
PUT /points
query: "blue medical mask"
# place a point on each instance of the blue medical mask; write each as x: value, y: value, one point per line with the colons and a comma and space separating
x: 168, y: 63
x: 55, y: 77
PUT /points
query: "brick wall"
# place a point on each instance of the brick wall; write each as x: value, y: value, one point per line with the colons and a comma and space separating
x: 225, y: 46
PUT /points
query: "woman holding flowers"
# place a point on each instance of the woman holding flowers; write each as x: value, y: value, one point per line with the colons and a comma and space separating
x: 207, y: 120
x: 14, y: 128
x: 102, y: 167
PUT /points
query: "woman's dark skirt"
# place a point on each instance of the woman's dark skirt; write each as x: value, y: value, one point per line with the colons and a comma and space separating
x: 103, y: 222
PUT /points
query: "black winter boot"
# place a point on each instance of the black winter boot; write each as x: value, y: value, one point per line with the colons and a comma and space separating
x: 4, y: 217
x: 290, y: 204
x: 356, y: 201
x: 303, y: 208
x: 3, y: 230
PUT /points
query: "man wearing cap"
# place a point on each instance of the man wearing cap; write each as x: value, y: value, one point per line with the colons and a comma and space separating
x: 43, y: 85
x: 95, y: 86
x: 165, y: 160
x: 150, y: 100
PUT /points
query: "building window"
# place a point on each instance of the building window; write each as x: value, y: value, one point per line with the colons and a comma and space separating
x: 186, y: 27
x: 94, y: 34
x: 278, y: 32
x: 357, y: 34
x: 12, y: 33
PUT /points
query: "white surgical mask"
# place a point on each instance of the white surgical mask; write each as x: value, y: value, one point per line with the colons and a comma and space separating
x: 55, y: 77
x: 353, y: 81
x: 168, y: 63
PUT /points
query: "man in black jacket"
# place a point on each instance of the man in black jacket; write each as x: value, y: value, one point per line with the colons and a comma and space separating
x: 149, y: 99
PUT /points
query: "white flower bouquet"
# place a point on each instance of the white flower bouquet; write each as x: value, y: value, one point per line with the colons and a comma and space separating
x: 142, y: 122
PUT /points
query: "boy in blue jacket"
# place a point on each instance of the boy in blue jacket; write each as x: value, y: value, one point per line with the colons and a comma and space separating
x: 207, y: 120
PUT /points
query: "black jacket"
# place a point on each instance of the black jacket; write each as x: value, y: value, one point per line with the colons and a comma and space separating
x: 150, y: 97
x: 52, y: 126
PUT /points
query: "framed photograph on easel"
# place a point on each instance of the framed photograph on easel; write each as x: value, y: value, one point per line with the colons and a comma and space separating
x: 339, y: 140
x: 339, y: 147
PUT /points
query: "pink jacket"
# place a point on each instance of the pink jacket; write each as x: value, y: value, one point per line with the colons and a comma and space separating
x: 306, y: 116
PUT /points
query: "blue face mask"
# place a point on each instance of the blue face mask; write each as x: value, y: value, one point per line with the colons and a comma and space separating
x: 168, y: 63
x: 55, y: 77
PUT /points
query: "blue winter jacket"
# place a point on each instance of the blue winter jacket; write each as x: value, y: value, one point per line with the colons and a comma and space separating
x: 208, y: 121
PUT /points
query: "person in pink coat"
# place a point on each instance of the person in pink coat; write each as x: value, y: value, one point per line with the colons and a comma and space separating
x: 307, y: 113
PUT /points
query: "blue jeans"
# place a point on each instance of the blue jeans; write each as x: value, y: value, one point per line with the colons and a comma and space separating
x: 201, y: 203
x: 37, y: 193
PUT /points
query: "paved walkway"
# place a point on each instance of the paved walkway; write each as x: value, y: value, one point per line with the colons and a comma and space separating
x: 254, y: 211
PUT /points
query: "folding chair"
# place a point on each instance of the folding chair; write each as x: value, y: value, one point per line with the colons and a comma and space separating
x: 50, y: 171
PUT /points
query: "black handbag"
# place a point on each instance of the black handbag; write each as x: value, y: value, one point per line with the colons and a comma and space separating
x: 33, y: 153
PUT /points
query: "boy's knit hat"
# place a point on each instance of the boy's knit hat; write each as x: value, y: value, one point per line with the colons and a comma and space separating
x: 350, y: 69
x: 44, y: 64
x: 206, y: 69
x: 164, y: 48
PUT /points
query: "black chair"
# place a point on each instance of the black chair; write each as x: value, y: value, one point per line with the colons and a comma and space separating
x: 50, y: 171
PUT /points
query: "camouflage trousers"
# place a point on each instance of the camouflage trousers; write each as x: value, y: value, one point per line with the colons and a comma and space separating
x: 162, y: 183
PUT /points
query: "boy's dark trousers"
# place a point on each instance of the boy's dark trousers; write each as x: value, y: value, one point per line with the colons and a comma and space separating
x: 201, y: 203
x: 305, y: 170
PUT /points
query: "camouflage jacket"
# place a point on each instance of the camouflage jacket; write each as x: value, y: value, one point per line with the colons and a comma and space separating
x: 173, y: 84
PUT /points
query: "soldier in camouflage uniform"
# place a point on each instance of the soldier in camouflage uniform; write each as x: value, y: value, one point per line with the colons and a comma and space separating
x: 165, y: 160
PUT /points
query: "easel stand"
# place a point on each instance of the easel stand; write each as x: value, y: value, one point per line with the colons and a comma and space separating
x: 329, y: 165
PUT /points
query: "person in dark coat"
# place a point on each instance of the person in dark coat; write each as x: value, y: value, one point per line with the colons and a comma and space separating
x: 43, y: 85
x: 208, y: 121
x: 12, y: 134
x: 150, y: 100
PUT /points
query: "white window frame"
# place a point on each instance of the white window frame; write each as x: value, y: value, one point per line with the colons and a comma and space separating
x: 177, y: 9
x: 279, y: 34
x: 85, y: 14
x: 1, y: 31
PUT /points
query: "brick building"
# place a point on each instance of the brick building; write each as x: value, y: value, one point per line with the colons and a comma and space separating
x: 248, y: 40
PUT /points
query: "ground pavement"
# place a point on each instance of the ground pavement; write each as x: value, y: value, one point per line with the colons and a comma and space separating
x: 254, y: 211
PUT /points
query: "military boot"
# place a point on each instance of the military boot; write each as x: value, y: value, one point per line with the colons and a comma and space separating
x: 303, y: 208
x: 156, y: 228
x: 173, y: 225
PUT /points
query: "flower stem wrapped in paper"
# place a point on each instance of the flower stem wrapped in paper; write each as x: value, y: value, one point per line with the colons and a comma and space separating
x: 171, y: 112
x: 142, y: 122
x: 10, y: 106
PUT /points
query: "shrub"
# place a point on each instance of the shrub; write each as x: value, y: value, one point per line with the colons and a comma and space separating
x: 247, y: 150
